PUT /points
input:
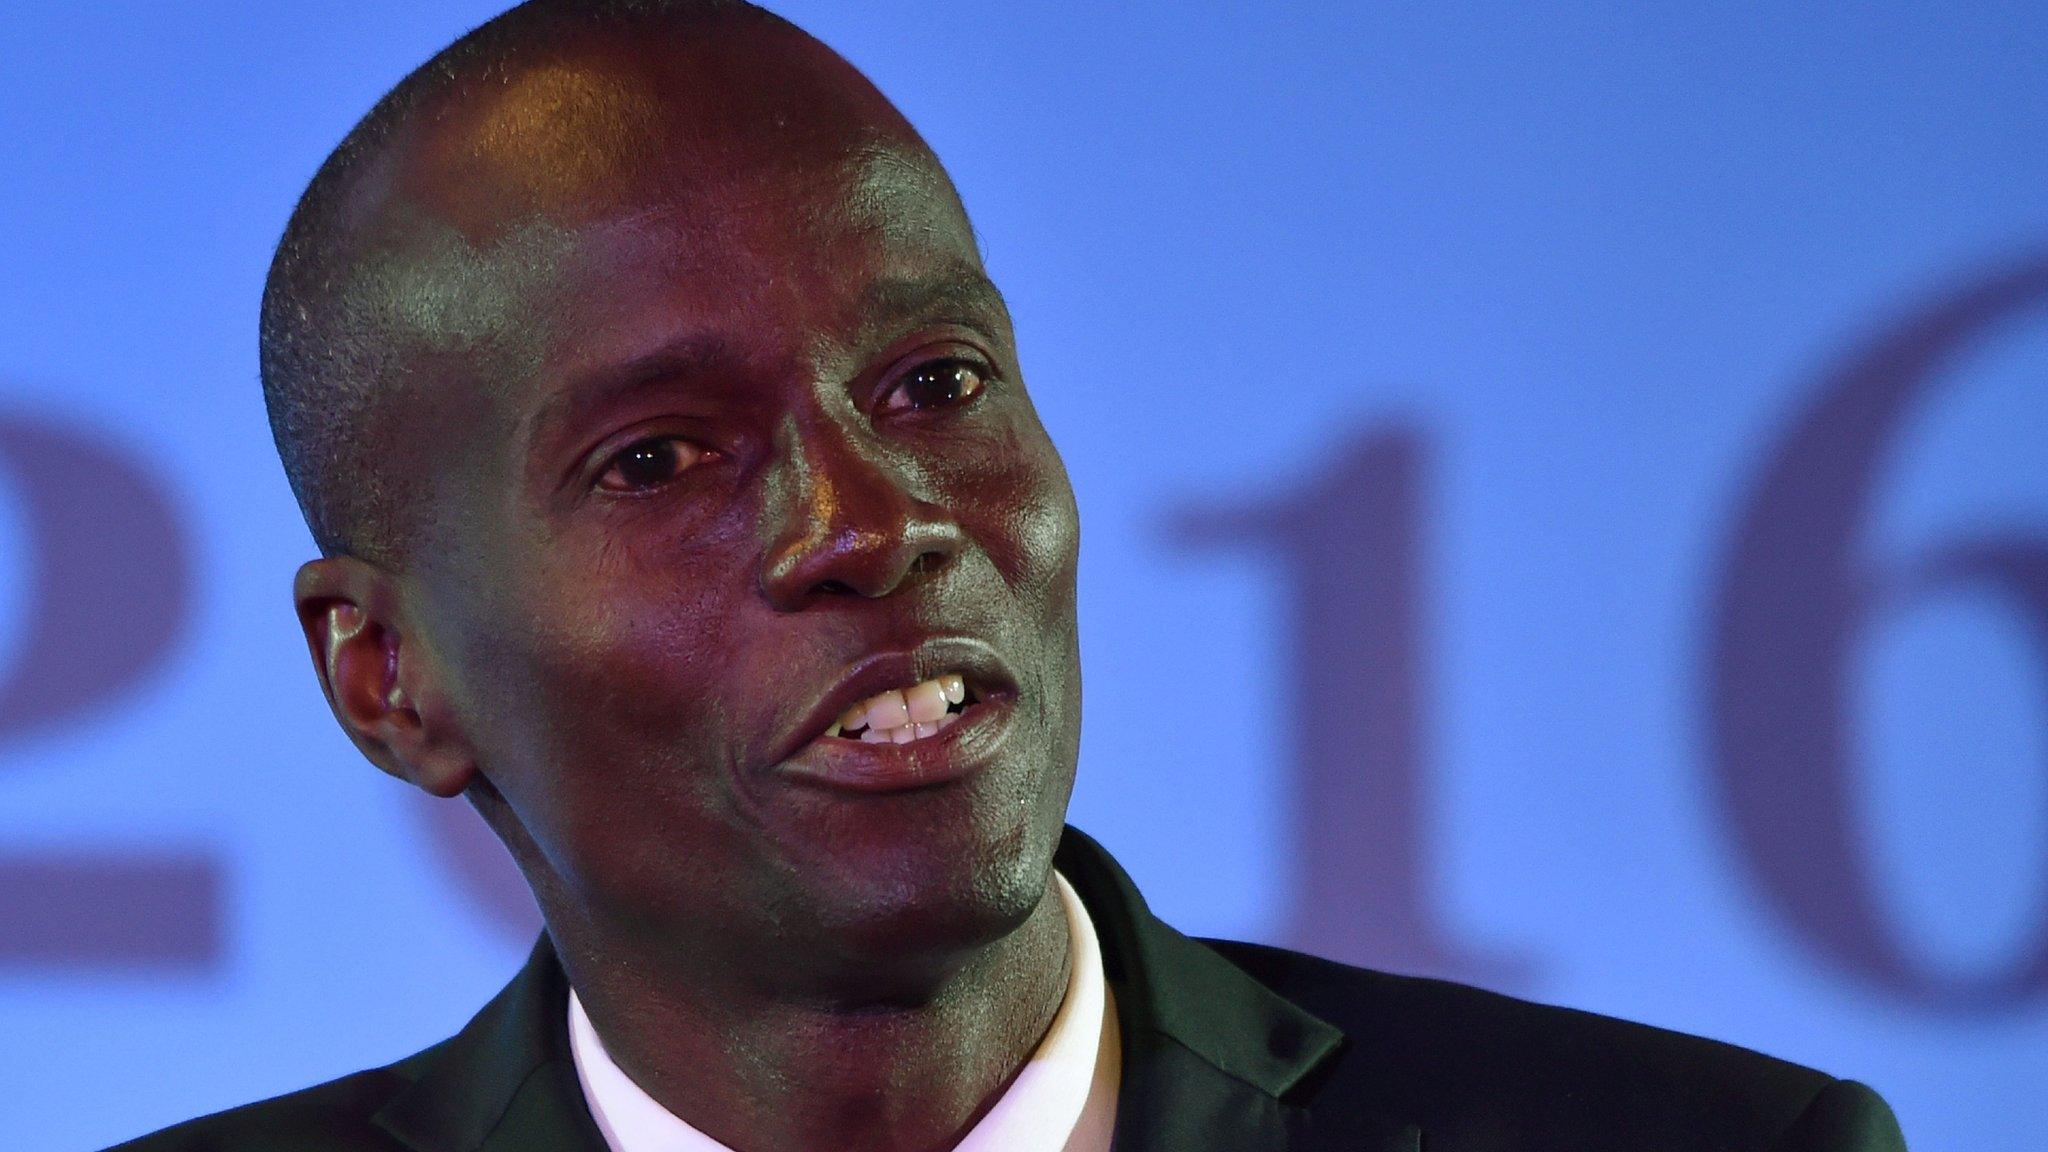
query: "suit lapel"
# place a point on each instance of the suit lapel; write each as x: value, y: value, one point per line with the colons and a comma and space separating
x: 506, y: 1082
x: 1213, y: 1059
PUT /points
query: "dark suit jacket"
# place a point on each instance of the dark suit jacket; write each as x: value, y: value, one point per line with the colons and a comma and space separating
x: 1227, y: 1048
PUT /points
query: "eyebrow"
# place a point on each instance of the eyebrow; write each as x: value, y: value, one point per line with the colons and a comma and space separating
x: 964, y: 295
x: 691, y: 356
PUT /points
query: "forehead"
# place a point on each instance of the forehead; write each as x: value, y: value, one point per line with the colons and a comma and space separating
x: 573, y: 205
x: 836, y: 264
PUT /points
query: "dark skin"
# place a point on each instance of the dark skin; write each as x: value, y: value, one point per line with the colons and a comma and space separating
x: 715, y: 414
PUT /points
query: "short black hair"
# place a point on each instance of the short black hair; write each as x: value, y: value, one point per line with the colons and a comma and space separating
x: 328, y: 361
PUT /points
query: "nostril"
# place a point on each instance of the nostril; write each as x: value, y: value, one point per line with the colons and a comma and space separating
x: 865, y: 584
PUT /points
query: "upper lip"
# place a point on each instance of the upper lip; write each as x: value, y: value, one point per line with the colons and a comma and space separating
x: 976, y: 661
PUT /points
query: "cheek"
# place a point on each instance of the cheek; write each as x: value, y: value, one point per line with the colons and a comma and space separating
x: 595, y: 711
x: 1024, y: 515
x: 1025, y: 518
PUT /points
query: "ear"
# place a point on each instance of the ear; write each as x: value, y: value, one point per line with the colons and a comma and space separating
x: 384, y: 689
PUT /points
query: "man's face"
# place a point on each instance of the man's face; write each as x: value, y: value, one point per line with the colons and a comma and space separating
x: 755, y: 446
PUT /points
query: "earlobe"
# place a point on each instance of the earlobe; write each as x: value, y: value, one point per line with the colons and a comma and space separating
x: 374, y: 679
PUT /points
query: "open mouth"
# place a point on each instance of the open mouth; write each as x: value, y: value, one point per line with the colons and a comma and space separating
x: 904, y: 715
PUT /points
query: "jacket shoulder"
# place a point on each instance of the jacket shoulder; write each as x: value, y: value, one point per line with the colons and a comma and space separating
x: 337, y: 1116
x: 1489, y: 1070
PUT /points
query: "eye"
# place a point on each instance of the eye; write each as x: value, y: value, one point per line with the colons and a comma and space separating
x: 935, y: 385
x: 649, y: 463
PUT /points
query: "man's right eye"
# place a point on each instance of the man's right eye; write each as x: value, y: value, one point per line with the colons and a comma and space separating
x: 650, y: 463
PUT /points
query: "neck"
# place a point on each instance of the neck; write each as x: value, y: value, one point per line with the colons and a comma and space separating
x: 763, y: 1072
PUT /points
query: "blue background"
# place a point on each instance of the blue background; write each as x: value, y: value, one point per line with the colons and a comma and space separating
x: 1595, y: 260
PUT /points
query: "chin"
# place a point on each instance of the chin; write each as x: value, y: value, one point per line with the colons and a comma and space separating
x: 952, y: 889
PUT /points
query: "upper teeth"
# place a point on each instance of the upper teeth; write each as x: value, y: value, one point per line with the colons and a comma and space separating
x: 900, y: 716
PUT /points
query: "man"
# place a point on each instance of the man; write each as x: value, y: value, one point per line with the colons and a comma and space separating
x: 682, y: 507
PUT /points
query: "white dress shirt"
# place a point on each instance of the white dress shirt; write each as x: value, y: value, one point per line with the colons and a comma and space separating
x: 1064, y: 1100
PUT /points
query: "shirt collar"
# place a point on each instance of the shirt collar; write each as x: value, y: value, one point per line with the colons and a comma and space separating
x: 1064, y: 1099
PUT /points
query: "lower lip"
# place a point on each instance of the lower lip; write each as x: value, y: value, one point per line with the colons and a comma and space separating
x: 958, y: 750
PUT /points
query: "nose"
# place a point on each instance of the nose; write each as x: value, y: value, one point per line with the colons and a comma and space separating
x: 843, y: 520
